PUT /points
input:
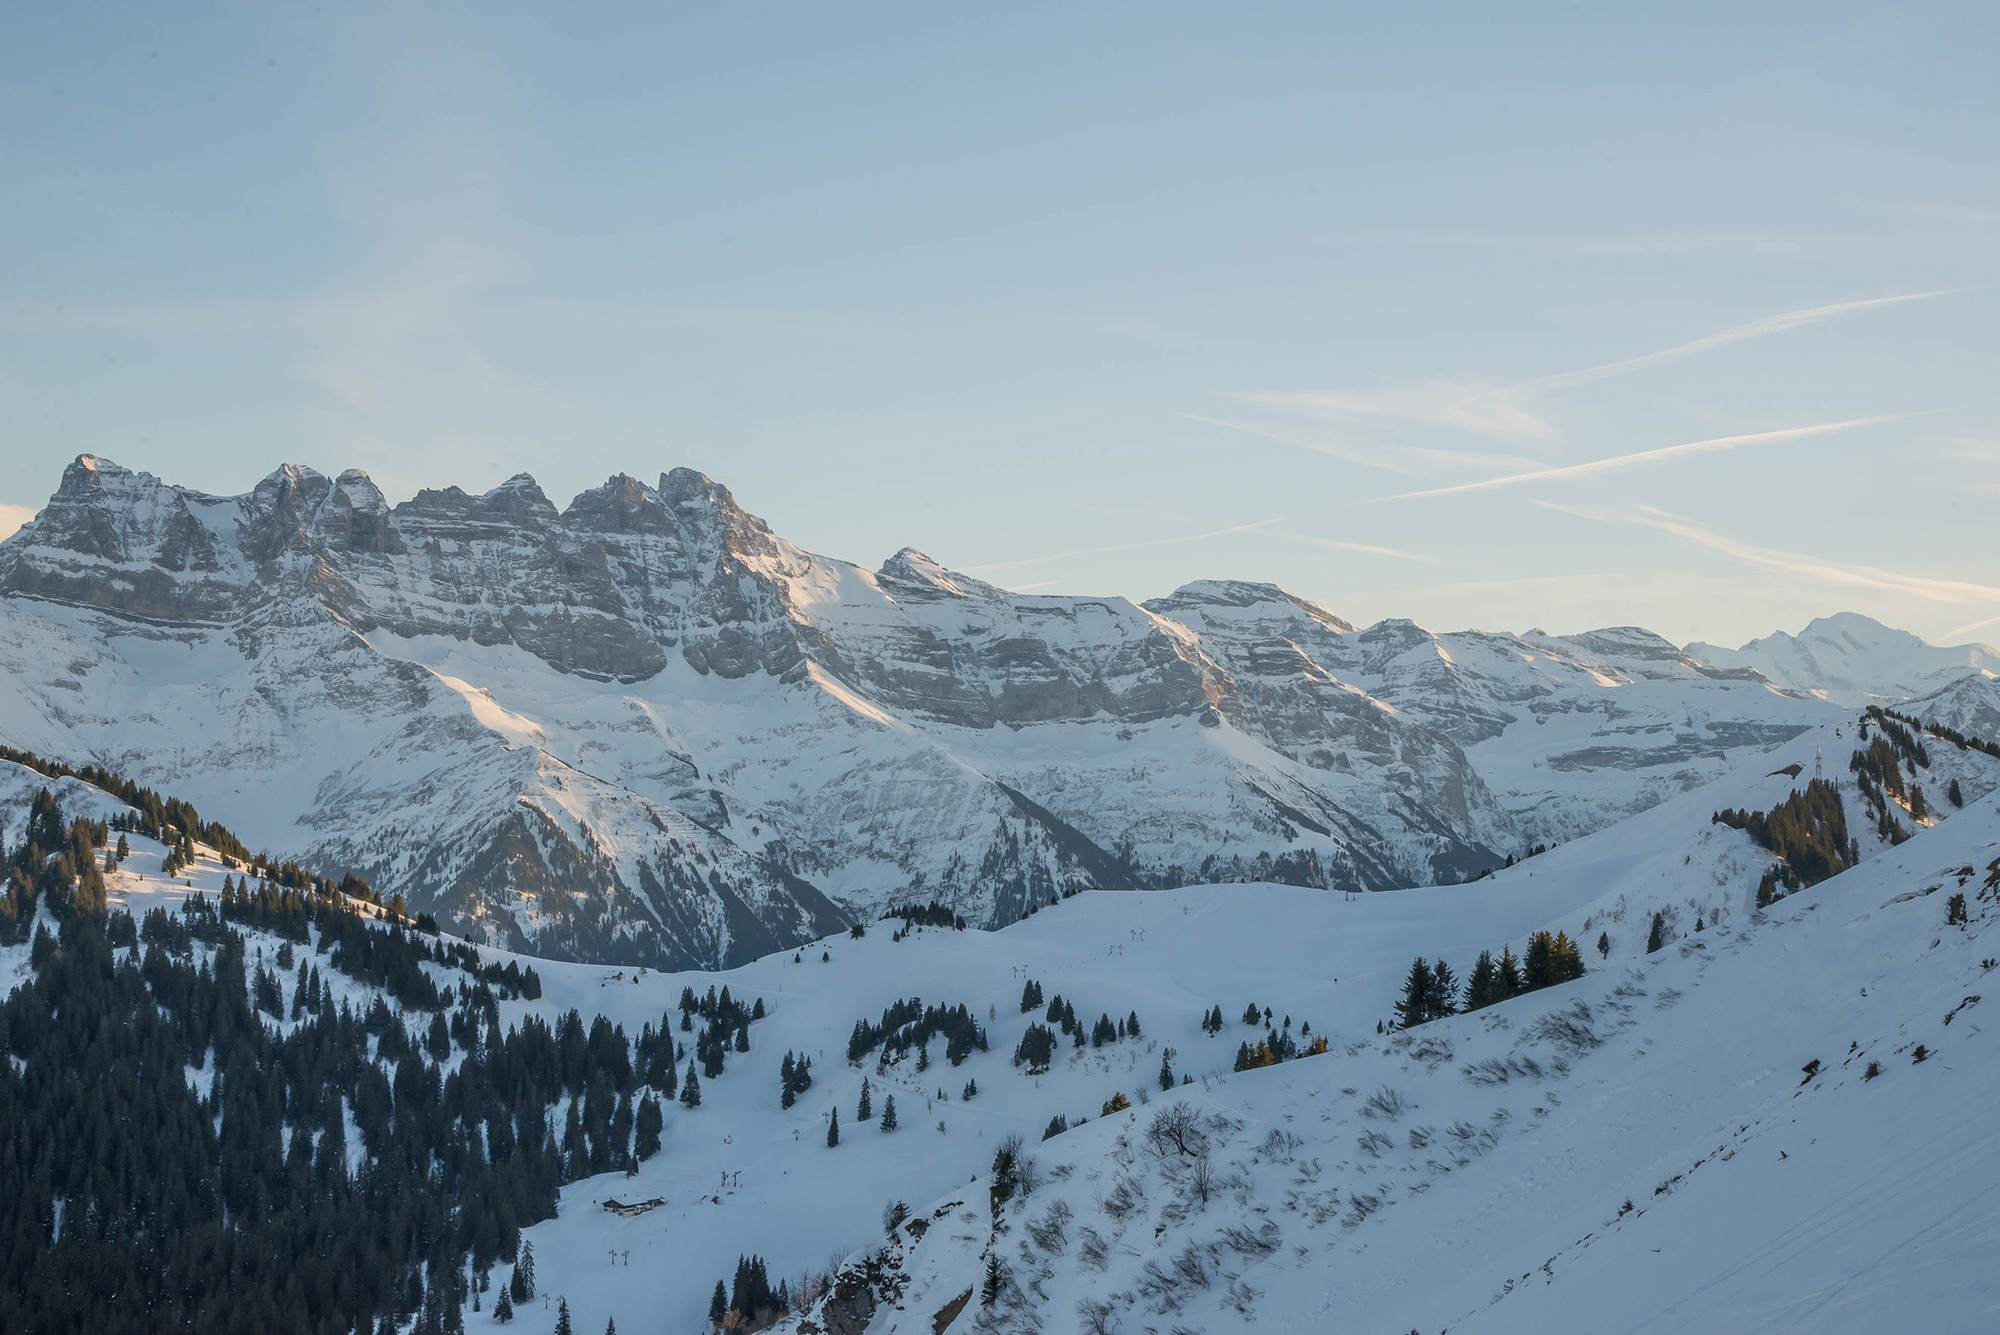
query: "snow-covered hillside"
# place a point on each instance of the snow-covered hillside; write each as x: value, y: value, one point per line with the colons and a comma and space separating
x: 1854, y: 660
x: 1683, y: 1063
x: 646, y: 729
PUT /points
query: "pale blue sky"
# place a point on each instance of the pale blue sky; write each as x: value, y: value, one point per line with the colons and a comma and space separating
x: 1089, y: 298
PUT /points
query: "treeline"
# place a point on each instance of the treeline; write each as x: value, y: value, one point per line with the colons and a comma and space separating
x: 1431, y: 991
x: 911, y: 1024
x: 134, y: 1200
x: 932, y: 914
x: 726, y: 1025
x: 1808, y: 832
x: 56, y: 860
x: 388, y: 956
x: 750, y: 1303
x: 1963, y: 741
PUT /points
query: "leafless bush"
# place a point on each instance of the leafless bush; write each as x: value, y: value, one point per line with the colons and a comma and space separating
x: 1245, y: 1243
x: 1499, y: 1070
x: 1201, y: 1182
x: 1177, y: 1131
x: 1093, y: 1249
x: 1570, y: 1029
x: 1049, y: 1234
x: 1191, y: 1267
x: 1385, y: 1103
x: 1359, y: 1206
x: 1094, y: 1317
x: 1280, y: 1145
x: 1124, y: 1199
x: 1160, y: 1288
x: 1372, y: 1143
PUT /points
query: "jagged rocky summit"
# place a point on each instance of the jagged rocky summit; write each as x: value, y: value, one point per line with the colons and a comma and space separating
x: 645, y: 728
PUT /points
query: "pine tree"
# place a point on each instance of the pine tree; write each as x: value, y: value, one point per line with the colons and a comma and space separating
x: 1952, y: 794
x: 833, y: 1128
x: 1658, y: 936
x: 889, y: 1113
x: 718, y: 1306
x: 863, y: 1112
x: 503, y: 1308
x: 1481, y: 989
x: 1132, y: 1025
x: 563, y: 1326
x: 1251, y: 1014
x: 691, y: 1087
x: 524, y: 1271
x: 1604, y: 945
x: 1443, y: 998
x: 1538, y: 967
x: 1507, y: 981
x: 647, y: 1128
x: 995, y: 1281
x: 611, y: 1326
x: 1415, y: 1007
x: 971, y: 1088
x: 1167, y: 1069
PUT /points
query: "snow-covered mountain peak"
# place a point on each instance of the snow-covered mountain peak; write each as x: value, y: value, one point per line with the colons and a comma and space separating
x: 1243, y: 607
x: 916, y: 573
x: 1852, y: 660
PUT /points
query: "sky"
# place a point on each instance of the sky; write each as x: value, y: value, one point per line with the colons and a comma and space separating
x: 1496, y: 316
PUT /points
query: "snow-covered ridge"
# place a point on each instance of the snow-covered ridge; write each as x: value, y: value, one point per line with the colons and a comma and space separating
x: 1855, y: 660
x: 644, y: 727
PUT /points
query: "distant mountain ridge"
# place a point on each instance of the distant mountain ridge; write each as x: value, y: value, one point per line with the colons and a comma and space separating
x: 1854, y: 660
x: 646, y: 728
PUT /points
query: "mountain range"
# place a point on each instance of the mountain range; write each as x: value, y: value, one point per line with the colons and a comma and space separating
x: 644, y: 728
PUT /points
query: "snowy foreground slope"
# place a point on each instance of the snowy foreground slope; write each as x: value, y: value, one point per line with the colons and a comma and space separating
x: 1685, y: 1062
x: 645, y: 729
x: 1784, y: 1122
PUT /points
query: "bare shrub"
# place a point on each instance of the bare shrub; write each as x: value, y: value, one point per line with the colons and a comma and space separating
x: 1499, y: 1070
x: 1049, y: 1233
x: 1094, y: 1317
x: 1245, y: 1243
x: 1191, y: 1267
x: 1570, y: 1029
x: 1385, y: 1103
x: 1359, y: 1206
x: 1125, y: 1197
x: 1177, y: 1131
x: 1372, y: 1143
x: 1201, y: 1182
x: 1093, y: 1249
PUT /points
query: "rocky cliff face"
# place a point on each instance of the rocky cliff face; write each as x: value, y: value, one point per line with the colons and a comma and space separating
x: 646, y: 728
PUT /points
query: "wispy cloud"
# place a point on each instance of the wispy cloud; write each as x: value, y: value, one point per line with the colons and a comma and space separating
x: 1128, y: 546
x: 1968, y: 628
x: 1366, y: 548
x: 1642, y: 457
x: 1505, y: 409
x: 1770, y: 324
x: 1408, y: 459
x: 1825, y: 571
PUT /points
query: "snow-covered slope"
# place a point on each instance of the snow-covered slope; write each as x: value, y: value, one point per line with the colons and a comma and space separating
x: 1693, y: 1043
x: 647, y: 729
x: 1779, y: 1123
x: 1854, y: 660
